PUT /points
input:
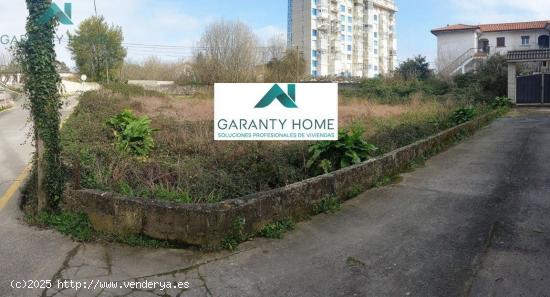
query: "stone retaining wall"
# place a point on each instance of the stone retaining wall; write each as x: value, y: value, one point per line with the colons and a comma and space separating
x: 208, y: 224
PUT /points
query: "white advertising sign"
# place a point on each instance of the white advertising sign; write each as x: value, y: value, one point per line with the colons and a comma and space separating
x: 300, y: 112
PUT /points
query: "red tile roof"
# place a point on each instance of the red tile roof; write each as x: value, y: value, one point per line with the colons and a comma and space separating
x: 457, y: 27
x: 495, y: 27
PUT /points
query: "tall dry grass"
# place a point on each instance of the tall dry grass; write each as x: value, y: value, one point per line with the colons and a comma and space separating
x: 187, y: 165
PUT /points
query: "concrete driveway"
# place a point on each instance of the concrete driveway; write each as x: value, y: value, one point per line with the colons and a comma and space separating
x: 475, y: 221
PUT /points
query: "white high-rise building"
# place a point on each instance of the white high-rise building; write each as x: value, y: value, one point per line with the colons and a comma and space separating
x: 344, y: 37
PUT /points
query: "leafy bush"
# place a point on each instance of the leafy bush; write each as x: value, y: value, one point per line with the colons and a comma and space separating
x: 434, y: 86
x: 132, y: 134
x: 463, y: 115
x: 350, y: 149
x: 390, y: 137
x: 501, y: 102
x: 416, y: 68
x: 490, y: 81
x: 397, y: 90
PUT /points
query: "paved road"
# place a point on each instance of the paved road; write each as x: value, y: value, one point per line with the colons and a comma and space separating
x: 475, y: 221
x: 15, y: 150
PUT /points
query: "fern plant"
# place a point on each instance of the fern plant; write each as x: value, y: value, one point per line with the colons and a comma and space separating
x: 350, y: 149
x: 133, y: 134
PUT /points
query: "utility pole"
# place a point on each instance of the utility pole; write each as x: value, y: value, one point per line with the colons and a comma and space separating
x: 106, y: 55
x: 37, y: 57
x: 95, y: 8
x: 297, y: 64
x: 94, y: 59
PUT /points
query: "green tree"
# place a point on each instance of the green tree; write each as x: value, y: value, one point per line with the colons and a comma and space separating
x: 493, y: 76
x: 36, y: 55
x: 97, y: 50
x: 488, y: 82
x: 416, y: 68
x: 228, y: 53
x: 290, y: 68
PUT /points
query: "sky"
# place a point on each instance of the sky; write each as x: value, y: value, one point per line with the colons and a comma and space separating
x: 181, y: 22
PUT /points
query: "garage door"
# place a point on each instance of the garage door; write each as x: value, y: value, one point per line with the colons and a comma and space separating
x: 529, y: 89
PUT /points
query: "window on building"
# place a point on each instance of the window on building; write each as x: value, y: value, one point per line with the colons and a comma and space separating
x: 525, y: 40
x: 315, y: 2
x: 342, y: 8
x: 350, y: 20
x: 375, y: 68
x: 501, y: 42
x: 314, y: 53
x: 342, y: 37
x: 314, y: 73
x: 376, y: 43
x: 342, y: 28
x: 375, y: 17
x: 349, y: 48
x: 349, y: 57
x: 314, y: 33
x: 350, y: 38
x: 350, y: 28
x: 376, y: 51
x: 342, y: 18
x: 314, y: 11
x: 375, y: 34
x: 314, y: 64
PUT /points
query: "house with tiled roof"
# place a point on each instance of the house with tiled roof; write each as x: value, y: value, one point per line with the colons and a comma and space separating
x: 461, y: 47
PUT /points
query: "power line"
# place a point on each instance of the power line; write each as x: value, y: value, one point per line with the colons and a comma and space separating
x: 160, y: 46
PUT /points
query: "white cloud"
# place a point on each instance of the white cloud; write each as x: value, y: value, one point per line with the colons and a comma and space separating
x: 142, y: 21
x: 149, y: 22
x: 492, y: 11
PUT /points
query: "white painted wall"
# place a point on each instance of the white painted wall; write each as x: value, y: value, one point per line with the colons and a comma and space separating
x: 513, y: 40
x: 71, y: 87
x: 451, y: 45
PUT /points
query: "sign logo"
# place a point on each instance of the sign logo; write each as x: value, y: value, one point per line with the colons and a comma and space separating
x: 305, y: 112
x: 64, y: 16
x: 276, y: 92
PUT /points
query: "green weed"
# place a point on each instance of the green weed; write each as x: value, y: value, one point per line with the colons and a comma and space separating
x: 76, y: 226
x: 132, y: 134
x: 327, y: 205
x: 463, y: 115
x: 350, y: 149
x: 277, y: 229
x: 231, y: 242
x: 387, y: 180
x: 354, y: 191
x: 352, y: 261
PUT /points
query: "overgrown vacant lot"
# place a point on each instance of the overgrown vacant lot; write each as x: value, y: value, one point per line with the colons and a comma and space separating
x: 186, y: 165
